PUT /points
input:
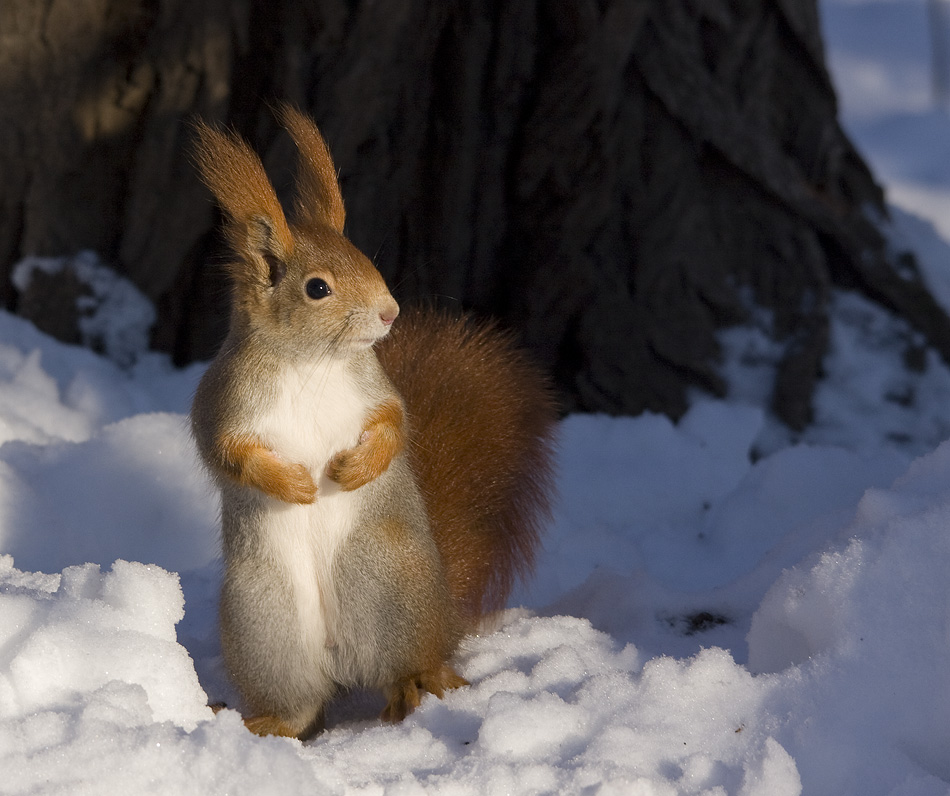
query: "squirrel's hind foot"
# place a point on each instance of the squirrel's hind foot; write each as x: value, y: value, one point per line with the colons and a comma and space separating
x: 272, y: 725
x: 405, y: 695
x: 269, y: 725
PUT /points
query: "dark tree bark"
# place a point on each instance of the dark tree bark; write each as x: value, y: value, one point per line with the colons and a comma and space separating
x: 616, y: 179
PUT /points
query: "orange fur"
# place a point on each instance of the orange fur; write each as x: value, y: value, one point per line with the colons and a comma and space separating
x: 318, y: 198
x: 234, y: 173
x: 249, y: 462
x: 405, y: 696
x: 481, y: 419
x: 270, y: 725
x: 381, y: 440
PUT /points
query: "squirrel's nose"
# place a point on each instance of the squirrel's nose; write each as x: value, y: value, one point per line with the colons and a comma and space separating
x: 388, y: 314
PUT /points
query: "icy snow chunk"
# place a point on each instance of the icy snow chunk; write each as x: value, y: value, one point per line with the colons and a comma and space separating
x: 151, y: 601
x: 95, y: 631
x: 104, y: 747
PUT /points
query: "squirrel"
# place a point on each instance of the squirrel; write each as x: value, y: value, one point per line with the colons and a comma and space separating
x: 382, y: 482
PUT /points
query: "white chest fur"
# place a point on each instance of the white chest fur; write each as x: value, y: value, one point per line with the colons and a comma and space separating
x: 317, y: 412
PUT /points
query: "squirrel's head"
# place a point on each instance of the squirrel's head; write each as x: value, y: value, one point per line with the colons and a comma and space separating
x: 300, y: 286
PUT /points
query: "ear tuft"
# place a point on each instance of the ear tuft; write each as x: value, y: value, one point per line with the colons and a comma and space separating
x: 319, y: 200
x: 236, y: 177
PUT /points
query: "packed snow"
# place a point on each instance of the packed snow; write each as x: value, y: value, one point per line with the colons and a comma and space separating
x: 721, y: 607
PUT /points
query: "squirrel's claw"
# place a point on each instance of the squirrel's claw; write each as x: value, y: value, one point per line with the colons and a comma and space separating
x: 405, y: 695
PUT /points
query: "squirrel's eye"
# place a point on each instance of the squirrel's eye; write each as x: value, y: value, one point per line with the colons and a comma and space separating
x: 317, y: 289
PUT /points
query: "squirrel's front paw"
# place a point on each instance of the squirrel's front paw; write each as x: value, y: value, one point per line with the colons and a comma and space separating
x: 286, y: 481
x: 357, y: 466
x: 381, y: 440
x: 293, y: 484
x: 248, y: 461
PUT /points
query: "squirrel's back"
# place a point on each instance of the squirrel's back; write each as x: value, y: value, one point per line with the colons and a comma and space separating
x: 481, y: 422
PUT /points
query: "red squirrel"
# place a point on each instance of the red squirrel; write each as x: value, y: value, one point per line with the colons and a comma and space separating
x: 383, y: 481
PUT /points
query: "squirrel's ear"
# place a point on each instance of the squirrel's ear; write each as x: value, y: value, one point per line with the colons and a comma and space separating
x: 257, y: 228
x: 318, y: 193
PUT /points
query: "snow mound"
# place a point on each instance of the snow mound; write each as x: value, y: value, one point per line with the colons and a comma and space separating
x: 861, y: 636
x: 84, y: 631
x: 96, y: 695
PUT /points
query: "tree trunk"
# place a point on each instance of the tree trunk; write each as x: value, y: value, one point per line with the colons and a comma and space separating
x: 616, y: 179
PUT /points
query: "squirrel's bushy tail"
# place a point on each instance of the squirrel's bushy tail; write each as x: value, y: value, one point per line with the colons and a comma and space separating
x: 481, y: 422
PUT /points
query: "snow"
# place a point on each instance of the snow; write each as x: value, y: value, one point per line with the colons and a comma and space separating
x: 880, y: 55
x: 114, y: 316
x: 721, y: 607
